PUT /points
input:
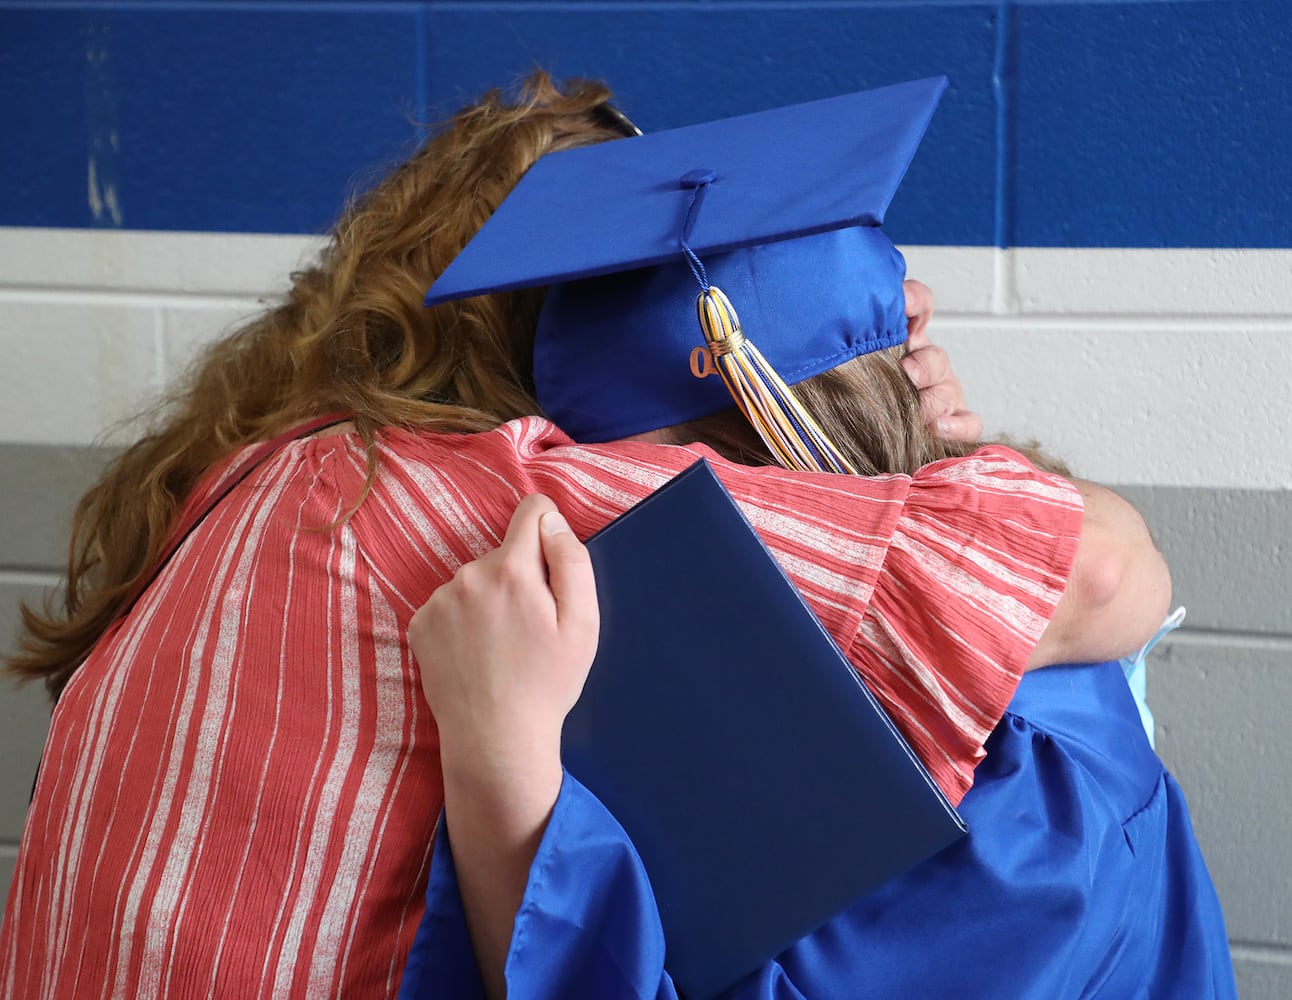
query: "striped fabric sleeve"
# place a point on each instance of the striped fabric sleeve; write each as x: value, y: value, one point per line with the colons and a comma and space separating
x: 977, y: 564
x: 829, y: 533
x: 936, y: 586
x: 442, y: 501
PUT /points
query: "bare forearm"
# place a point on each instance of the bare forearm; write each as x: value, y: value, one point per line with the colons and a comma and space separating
x: 504, y: 649
x: 496, y: 804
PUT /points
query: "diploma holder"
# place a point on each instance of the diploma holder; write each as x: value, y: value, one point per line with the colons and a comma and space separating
x: 762, y: 784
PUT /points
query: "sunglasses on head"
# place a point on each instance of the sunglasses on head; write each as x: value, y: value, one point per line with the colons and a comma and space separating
x: 617, y: 120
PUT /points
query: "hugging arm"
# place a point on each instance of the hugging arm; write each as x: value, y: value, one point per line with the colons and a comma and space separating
x: 503, y: 650
x: 1119, y: 589
x: 535, y: 890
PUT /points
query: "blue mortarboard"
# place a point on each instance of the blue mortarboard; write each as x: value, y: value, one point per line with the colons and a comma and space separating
x: 780, y: 210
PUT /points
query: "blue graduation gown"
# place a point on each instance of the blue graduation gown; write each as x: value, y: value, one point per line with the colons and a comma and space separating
x: 1080, y: 877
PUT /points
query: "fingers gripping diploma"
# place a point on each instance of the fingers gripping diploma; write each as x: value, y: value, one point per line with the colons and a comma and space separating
x: 504, y: 650
x: 942, y: 399
x: 505, y: 647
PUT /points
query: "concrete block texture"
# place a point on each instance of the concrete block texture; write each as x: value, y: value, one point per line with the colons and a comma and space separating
x: 8, y: 858
x: 231, y: 118
x: 188, y: 328
x: 1220, y: 706
x: 773, y: 54
x: 350, y: 83
x: 1263, y: 977
x: 73, y: 369
x: 1188, y: 397
x: 40, y: 486
x: 1135, y: 402
x: 24, y: 720
x: 24, y: 724
x: 1067, y: 124
x: 963, y: 279
x: 1134, y: 124
x: 1124, y: 281
x: 1229, y: 553
x: 166, y: 266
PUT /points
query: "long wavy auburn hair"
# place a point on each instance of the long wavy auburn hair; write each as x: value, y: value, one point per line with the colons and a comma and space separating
x: 352, y: 336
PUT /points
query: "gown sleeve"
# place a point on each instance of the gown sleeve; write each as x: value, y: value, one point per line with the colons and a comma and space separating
x: 1080, y: 876
x: 1080, y: 873
x: 977, y: 563
x: 587, y: 926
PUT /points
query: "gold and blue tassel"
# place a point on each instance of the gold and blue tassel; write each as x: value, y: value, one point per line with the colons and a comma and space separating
x: 794, y: 438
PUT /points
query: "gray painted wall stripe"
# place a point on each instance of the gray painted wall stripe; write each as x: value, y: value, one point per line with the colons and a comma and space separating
x: 24, y: 722
x: 8, y: 857
x: 1260, y: 952
x: 1221, y: 731
x: 30, y: 577
x: 39, y: 488
x: 1230, y: 553
x: 1225, y: 637
x: 1262, y: 980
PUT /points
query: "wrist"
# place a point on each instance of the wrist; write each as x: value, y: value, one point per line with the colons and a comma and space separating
x: 499, y: 741
x: 512, y: 802
x: 517, y: 766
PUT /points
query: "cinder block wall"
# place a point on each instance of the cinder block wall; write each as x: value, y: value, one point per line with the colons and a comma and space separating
x: 1101, y: 207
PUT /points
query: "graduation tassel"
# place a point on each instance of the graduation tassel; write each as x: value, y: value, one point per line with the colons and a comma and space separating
x: 793, y: 437
x: 795, y: 440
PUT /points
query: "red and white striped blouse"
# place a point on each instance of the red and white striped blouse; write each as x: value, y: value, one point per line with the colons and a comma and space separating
x: 241, y: 783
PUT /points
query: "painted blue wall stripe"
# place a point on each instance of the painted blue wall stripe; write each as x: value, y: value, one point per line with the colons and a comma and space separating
x: 1157, y: 123
x: 1002, y: 77
x: 1154, y: 125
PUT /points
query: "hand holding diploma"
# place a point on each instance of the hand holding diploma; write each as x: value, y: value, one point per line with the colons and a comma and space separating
x: 504, y: 649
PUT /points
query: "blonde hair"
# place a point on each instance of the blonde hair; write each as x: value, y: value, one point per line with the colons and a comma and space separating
x: 869, y: 408
x: 350, y: 337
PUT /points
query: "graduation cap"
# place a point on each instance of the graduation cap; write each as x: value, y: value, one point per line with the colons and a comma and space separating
x: 773, y: 216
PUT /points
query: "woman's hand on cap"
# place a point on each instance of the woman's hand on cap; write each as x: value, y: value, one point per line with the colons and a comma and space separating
x: 942, y: 400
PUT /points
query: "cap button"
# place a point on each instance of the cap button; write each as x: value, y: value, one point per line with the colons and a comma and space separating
x: 697, y: 178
